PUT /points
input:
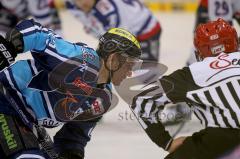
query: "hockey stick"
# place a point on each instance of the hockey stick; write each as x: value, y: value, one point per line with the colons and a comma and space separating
x: 40, y: 133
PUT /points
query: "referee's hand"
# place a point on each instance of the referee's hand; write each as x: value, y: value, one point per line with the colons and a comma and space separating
x: 146, y: 109
x: 70, y: 155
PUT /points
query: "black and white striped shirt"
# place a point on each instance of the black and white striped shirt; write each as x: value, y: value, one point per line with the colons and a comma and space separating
x: 211, y: 87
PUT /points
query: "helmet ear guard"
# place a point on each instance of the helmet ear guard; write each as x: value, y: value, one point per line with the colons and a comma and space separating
x: 215, y: 37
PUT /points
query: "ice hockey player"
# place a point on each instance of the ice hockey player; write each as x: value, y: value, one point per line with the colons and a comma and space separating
x: 42, y: 11
x: 97, y: 16
x: 63, y: 82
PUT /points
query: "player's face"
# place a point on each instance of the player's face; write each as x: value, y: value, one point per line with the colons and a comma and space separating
x: 85, y: 5
x: 125, y: 70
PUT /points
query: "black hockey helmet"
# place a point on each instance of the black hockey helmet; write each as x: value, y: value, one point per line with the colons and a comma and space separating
x: 118, y: 40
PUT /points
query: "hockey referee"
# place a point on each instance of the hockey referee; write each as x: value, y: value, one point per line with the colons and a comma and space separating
x: 210, y: 87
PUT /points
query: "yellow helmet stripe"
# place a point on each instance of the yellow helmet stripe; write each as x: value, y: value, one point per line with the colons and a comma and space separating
x: 124, y: 33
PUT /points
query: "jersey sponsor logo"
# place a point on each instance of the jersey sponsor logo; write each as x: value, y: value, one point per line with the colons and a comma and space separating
x: 221, y: 62
x: 217, y: 49
x: 86, y: 55
x: 71, y: 112
x: 83, y: 67
x: 97, y: 108
x: 72, y: 108
x: 48, y: 122
x: 82, y: 85
x: 6, y: 54
x: 8, y: 135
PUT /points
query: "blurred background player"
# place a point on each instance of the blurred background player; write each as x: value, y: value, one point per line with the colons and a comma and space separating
x: 58, y: 84
x: 209, y: 10
x: 43, y: 11
x: 97, y: 16
x: 210, y: 87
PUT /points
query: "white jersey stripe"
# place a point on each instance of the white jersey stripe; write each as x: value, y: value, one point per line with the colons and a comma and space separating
x: 56, y: 55
x: 199, y: 115
x: 49, y: 105
x: 219, y: 117
x: 237, y: 87
x: 206, y: 112
x: 46, y: 98
x: 12, y: 85
x: 18, y: 93
x: 219, y: 103
x: 230, y: 99
x: 30, y: 29
x: 34, y: 67
x: 148, y: 108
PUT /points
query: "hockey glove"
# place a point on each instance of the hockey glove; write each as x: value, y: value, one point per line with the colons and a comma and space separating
x: 7, y: 53
x: 71, y: 155
x: 146, y: 111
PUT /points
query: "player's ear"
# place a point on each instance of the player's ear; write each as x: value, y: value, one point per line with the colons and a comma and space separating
x: 113, y: 62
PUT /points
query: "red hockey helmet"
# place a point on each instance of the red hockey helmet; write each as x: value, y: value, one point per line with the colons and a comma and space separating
x: 215, y: 37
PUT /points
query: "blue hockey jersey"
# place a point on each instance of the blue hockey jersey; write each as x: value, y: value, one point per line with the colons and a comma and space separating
x: 60, y: 73
x: 47, y: 84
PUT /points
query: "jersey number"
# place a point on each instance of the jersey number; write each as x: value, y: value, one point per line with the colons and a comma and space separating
x: 222, y: 8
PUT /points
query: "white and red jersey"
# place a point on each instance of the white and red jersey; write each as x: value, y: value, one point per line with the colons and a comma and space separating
x: 38, y: 9
x: 106, y: 14
x: 225, y: 9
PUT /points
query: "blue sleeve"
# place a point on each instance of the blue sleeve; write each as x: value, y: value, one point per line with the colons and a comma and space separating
x: 74, y: 136
x: 35, y: 37
x: 38, y: 39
